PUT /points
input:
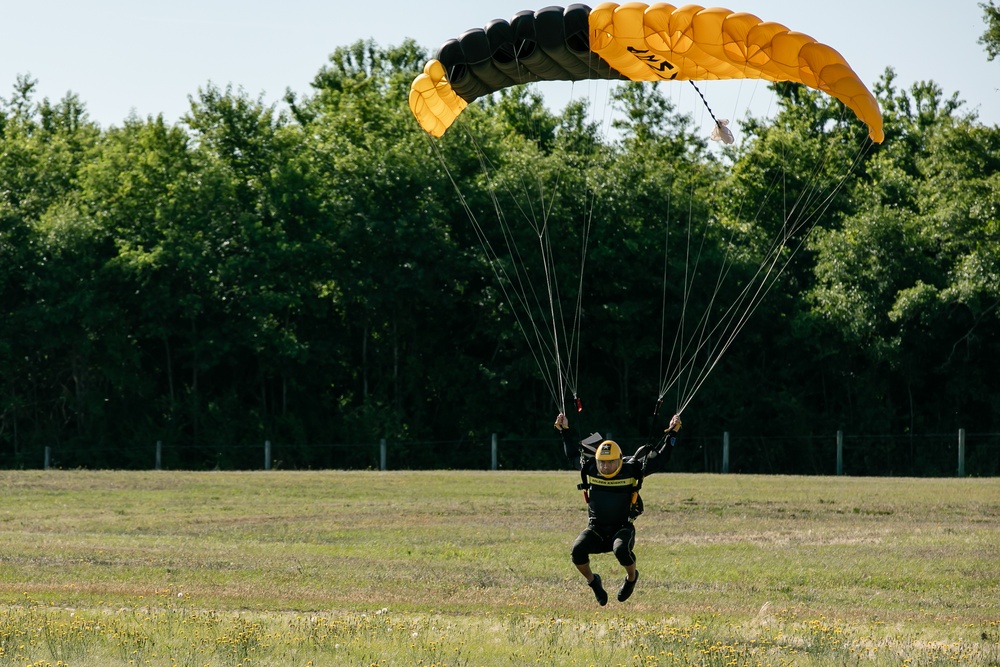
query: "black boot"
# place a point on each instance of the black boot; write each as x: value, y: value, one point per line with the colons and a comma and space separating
x: 599, y: 592
x: 625, y: 592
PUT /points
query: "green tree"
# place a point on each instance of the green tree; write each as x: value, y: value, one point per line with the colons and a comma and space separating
x: 398, y: 277
x: 54, y: 315
x: 990, y: 39
x: 910, y: 280
x: 254, y: 221
x: 644, y: 286
x: 791, y: 176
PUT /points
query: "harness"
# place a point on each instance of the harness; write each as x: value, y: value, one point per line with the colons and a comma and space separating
x: 588, y: 481
x: 642, y: 457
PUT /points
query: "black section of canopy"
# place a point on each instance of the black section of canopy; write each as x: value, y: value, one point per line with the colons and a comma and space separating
x: 552, y: 44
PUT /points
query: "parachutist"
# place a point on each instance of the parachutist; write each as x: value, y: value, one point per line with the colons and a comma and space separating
x: 610, y: 483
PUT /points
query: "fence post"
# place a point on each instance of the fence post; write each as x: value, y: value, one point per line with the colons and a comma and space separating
x: 159, y: 455
x: 267, y: 455
x: 382, y: 454
x: 961, y: 452
x: 725, y: 452
x: 840, y: 453
x: 48, y: 457
x: 493, y: 452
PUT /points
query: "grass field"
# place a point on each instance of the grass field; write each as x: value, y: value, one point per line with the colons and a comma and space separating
x: 472, y: 568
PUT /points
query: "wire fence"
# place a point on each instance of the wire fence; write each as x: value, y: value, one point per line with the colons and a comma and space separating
x: 926, y: 455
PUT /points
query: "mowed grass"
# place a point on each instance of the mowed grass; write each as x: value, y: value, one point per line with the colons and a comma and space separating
x: 472, y: 568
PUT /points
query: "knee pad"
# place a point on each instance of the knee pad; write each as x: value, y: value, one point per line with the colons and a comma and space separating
x: 623, y: 551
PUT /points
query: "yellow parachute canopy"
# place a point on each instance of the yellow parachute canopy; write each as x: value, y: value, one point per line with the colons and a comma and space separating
x: 632, y: 41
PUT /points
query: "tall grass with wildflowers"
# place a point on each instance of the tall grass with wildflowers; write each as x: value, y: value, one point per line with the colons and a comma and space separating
x: 465, y: 569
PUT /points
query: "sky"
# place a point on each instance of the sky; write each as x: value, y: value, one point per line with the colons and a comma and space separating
x: 148, y: 57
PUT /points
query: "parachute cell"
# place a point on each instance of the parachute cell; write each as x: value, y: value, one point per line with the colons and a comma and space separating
x: 632, y: 41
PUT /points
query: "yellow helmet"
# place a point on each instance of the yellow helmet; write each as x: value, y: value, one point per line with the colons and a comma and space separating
x: 609, y: 451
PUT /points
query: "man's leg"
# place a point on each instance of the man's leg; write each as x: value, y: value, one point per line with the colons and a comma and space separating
x: 587, y: 543
x: 624, y: 541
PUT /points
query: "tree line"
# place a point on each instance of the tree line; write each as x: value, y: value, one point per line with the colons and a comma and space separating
x: 308, y: 275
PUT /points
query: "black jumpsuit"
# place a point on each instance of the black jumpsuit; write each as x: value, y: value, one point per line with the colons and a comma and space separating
x: 613, y: 503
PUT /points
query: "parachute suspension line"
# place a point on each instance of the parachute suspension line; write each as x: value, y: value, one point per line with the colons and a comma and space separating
x: 556, y: 353
x: 688, y: 287
x: 512, y: 287
x: 663, y: 298
x: 682, y: 344
x: 705, y: 333
x: 545, y: 253
x: 570, y: 337
x: 764, y: 285
x: 690, y: 347
x: 552, y: 290
x: 567, y: 353
x: 567, y: 373
x: 792, y: 237
x: 799, y: 220
x: 541, y: 231
x: 702, y: 335
x: 577, y: 326
x: 678, y: 346
x: 732, y: 321
x: 687, y: 348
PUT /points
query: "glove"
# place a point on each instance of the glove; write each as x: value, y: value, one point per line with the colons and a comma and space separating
x: 675, y: 424
x: 561, y: 422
